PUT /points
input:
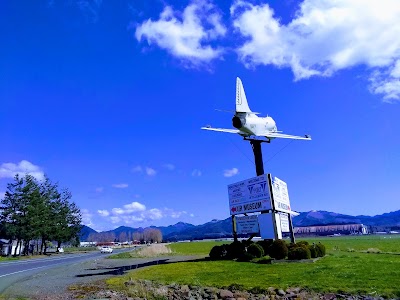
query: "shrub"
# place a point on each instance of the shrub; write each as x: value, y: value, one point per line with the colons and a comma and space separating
x: 265, y: 245
x: 321, y: 250
x: 218, y: 252
x: 313, y: 251
x: 278, y: 249
x: 235, y: 249
x: 302, y: 243
x: 245, y: 257
x: 299, y: 253
x: 256, y: 250
x: 264, y: 260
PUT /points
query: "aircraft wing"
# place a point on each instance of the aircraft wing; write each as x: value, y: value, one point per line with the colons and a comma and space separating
x: 285, y: 136
x: 222, y: 129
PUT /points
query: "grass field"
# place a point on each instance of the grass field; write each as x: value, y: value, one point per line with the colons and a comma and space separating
x: 346, y: 268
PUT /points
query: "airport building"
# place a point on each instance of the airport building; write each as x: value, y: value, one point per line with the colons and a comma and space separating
x: 334, y: 229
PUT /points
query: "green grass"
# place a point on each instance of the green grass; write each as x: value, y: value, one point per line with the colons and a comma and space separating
x: 194, y: 248
x: 340, y: 271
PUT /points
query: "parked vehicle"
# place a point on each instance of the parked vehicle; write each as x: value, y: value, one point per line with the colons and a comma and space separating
x: 106, y: 249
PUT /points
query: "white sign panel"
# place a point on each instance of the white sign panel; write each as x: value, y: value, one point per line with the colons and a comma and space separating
x: 251, y: 195
x: 266, y: 223
x: 247, y: 224
x: 284, y: 223
x: 280, y: 195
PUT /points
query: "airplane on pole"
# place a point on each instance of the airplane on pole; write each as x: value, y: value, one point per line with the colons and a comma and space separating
x: 249, y: 125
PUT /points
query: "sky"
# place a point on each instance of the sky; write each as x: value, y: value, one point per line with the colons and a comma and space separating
x: 107, y: 98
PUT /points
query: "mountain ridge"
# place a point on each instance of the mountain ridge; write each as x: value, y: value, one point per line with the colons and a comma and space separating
x: 223, y: 228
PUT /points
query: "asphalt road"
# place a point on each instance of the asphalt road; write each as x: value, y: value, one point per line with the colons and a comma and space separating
x: 50, y: 278
x: 12, y: 272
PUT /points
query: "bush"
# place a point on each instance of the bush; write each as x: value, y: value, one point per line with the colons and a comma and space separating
x: 302, y: 243
x: 256, y: 250
x: 321, y: 250
x: 299, y: 253
x: 313, y: 251
x: 263, y: 260
x: 245, y: 257
x: 278, y: 249
x: 265, y: 245
x: 218, y: 252
x: 235, y: 250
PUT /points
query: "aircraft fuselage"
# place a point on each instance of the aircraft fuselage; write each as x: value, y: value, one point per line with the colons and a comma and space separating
x: 250, y: 124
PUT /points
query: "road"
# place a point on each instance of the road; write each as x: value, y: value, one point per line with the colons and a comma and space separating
x: 18, y: 270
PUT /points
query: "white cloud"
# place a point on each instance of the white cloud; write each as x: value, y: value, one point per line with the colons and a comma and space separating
x: 231, y: 172
x: 103, y: 213
x: 137, y: 169
x: 170, y: 167
x: 99, y: 189
x: 9, y: 170
x: 134, y: 207
x: 120, y: 185
x: 196, y: 173
x: 150, y: 171
x: 86, y: 217
x: 186, y: 35
x: 325, y: 36
x: 137, y: 212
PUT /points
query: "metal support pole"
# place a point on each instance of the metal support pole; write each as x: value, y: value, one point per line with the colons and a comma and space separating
x: 258, y: 160
x: 235, y: 238
x: 292, y: 238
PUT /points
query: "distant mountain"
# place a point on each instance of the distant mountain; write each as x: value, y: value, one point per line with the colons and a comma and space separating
x: 223, y: 228
x: 85, y: 232
x: 321, y: 217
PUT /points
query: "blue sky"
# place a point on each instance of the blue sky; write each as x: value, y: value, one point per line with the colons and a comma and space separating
x: 108, y: 97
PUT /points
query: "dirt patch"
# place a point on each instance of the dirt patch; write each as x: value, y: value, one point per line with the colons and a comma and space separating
x: 153, y: 250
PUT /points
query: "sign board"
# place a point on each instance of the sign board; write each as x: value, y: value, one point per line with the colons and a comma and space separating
x: 284, y: 222
x: 268, y: 225
x: 247, y: 224
x: 280, y: 195
x: 250, y: 195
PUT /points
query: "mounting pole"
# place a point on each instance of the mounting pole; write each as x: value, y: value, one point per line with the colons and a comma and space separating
x: 258, y: 160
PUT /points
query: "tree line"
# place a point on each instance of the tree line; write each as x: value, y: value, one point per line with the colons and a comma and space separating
x: 34, y: 210
x: 148, y: 235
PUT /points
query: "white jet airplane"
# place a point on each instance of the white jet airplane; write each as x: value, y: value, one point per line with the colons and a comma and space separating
x: 249, y: 125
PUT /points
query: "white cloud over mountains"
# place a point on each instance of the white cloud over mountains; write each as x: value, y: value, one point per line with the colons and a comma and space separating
x: 231, y: 172
x: 9, y: 170
x: 137, y: 212
x: 324, y: 37
x: 186, y: 34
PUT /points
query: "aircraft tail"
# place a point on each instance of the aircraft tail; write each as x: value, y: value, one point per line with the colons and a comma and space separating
x: 241, y: 101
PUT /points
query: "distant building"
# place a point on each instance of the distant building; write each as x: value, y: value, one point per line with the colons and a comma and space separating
x: 7, y: 248
x: 345, y: 229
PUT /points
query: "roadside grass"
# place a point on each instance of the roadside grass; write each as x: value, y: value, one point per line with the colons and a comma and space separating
x: 341, y: 271
x: 154, y: 250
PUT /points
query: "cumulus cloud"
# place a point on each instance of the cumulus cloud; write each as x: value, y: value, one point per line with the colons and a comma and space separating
x: 99, y: 189
x: 188, y: 34
x: 325, y: 36
x: 103, y: 213
x: 120, y: 185
x: 137, y: 169
x: 150, y: 171
x: 9, y: 170
x: 170, y: 167
x: 86, y: 217
x: 196, y: 173
x: 137, y: 212
x: 231, y: 172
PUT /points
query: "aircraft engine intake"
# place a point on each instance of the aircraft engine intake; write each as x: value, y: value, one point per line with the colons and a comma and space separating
x: 238, y: 122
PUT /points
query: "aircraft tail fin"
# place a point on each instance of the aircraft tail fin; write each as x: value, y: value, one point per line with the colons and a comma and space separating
x: 241, y: 100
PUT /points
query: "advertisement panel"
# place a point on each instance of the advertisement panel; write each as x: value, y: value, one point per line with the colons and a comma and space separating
x: 247, y: 224
x: 280, y: 195
x: 250, y: 195
x: 269, y: 226
x: 284, y: 222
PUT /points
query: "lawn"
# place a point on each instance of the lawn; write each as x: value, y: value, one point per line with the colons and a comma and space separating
x: 345, y: 268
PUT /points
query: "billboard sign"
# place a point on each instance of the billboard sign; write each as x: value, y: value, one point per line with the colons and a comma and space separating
x: 280, y: 195
x: 250, y: 195
x: 284, y: 222
x: 247, y: 224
